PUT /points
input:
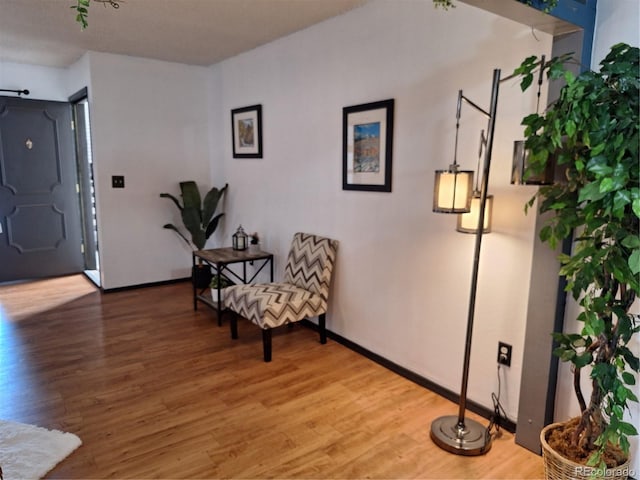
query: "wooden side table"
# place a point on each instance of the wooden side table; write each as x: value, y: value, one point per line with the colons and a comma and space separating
x: 219, y: 260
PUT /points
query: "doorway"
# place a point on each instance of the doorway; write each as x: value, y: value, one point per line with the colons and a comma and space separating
x: 86, y: 185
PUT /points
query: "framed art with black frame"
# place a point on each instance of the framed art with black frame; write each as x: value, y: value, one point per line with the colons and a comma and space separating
x: 367, y: 146
x: 246, y: 128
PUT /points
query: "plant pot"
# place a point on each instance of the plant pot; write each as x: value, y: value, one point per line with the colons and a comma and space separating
x: 201, y: 276
x: 557, y: 467
x: 214, y: 295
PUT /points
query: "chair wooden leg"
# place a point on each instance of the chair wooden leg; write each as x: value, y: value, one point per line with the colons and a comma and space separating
x: 233, y: 324
x: 322, y: 327
x: 266, y: 344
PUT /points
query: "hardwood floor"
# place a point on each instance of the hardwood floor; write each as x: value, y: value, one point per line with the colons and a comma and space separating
x: 156, y: 390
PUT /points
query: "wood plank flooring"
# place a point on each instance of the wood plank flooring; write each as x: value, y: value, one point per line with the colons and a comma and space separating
x: 156, y: 390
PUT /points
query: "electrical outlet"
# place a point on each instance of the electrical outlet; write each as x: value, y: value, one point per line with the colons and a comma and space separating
x: 117, y: 181
x: 504, y: 354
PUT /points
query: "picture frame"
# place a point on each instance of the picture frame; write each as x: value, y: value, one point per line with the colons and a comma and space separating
x: 367, y: 146
x: 246, y: 130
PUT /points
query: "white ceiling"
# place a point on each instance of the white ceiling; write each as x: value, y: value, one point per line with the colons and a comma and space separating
x: 196, y: 32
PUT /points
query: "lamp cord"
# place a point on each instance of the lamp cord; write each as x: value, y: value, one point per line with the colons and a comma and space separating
x: 455, y: 149
x: 540, y: 77
x: 483, y: 142
x: 498, y: 412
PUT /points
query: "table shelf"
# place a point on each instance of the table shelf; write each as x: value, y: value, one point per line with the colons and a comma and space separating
x: 219, y: 260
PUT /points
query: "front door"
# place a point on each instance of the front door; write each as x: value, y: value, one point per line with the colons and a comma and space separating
x: 40, y: 228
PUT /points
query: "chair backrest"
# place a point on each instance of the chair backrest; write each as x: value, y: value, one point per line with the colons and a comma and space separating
x: 310, y: 263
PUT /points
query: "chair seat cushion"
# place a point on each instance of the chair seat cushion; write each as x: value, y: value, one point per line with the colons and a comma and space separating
x: 273, y: 304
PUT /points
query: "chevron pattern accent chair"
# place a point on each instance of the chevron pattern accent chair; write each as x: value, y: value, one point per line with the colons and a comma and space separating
x: 303, y: 293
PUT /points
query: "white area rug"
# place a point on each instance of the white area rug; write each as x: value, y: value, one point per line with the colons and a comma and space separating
x: 29, y: 452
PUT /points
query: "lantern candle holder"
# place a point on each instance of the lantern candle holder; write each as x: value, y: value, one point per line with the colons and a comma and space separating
x: 240, y: 239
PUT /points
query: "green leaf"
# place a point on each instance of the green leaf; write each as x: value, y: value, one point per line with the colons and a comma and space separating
x: 556, y: 70
x: 627, y: 429
x: 590, y: 192
x: 175, y: 229
x: 526, y: 82
x: 624, y: 445
x: 595, y: 460
x: 595, y: 325
x: 618, y: 411
x: 635, y: 205
x: 174, y: 199
x: 213, y: 224
x: 579, y: 341
x: 545, y: 233
x: 583, y: 360
x: 598, y: 149
x: 565, y: 355
x: 210, y: 204
x: 569, y: 77
x: 191, y: 195
x: 606, y: 185
x: 191, y: 220
x: 598, y: 166
x: 620, y: 200
x: 630, y: 358
x: 634, y: 261
x: 628, y: 378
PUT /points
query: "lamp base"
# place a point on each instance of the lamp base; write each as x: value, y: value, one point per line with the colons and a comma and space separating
x: 470, y: 439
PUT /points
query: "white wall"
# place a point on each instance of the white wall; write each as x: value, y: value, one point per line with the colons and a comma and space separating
x: 150, y: 124
x: 43, y: 83
x: 616, y: 21
x: 402, y: 279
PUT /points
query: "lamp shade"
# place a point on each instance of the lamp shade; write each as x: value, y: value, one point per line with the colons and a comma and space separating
x: 452, y: 191
x: 521, y: 162
x: 468, y: 222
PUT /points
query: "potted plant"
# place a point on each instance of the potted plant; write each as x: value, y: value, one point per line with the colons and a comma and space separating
x: 199, y: 218
x: 254, y: 241
x: 219, y: 282
x: 592, y: 133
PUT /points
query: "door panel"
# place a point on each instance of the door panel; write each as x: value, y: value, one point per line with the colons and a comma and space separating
x: 39, y: 211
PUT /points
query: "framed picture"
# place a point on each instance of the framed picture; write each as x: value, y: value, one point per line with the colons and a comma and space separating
x: 246, y: 127
x: 367, y: 146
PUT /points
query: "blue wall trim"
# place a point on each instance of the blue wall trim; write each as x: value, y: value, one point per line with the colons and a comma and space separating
x: 578, y: 12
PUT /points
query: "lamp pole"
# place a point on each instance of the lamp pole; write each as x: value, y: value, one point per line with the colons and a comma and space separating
x: 457, y: 434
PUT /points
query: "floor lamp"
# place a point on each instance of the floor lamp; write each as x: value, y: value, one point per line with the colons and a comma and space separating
x: 455, y: 433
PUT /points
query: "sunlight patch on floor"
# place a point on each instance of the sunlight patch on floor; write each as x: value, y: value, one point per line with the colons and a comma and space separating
x: 46, y: 294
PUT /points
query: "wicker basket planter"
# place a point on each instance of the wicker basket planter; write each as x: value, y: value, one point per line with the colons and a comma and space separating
x: 556, y: 467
